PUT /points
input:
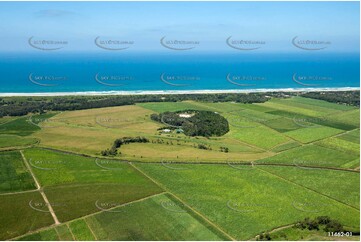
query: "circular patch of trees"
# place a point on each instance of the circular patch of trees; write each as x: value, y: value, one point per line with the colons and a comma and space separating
x: 194, y: 122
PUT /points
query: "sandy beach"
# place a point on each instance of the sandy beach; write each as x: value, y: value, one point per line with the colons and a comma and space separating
x: 166, y: 92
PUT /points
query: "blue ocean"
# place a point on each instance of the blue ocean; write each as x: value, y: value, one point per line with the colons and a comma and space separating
x: 98, y: 72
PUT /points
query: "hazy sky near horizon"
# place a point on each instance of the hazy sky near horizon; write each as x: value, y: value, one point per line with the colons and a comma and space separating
x: 210, y: 23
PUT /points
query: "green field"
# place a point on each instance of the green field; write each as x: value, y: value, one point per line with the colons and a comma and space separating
x: 286, y: 146
x: 174, y: 220
x: 17, y: 217
x: 340, y: 144
x: 74, y: 201
x: 123, y: 223
x: 50, y: 234
x: 242, y: 201
x: 342, y: 186
x: 311, y: 155
x: 14, y: 175
x: 68, y: 179
x: 25, y: 125
x: 81, y: 231
x: 352, y: 136
x: 7, y: 141
x: 307, y: 135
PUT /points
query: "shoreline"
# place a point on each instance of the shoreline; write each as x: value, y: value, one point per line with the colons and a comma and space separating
x: 170, y: 92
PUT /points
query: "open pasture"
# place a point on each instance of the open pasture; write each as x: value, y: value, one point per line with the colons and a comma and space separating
x: 90, y: 132
x: 184, y: 153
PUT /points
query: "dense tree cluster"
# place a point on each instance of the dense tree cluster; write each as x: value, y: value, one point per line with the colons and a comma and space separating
x: 329, y: 224
x: 198, y: 123
x: 321, y: 222
x: 346, y: 97
x: 119, y: 142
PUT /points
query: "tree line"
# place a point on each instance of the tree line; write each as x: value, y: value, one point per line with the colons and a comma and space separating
x: 113, y: 151
x: 19, y: 106
x: 339, y: 97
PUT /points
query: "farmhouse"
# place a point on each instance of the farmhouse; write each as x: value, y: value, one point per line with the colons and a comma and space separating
x: 185, y: 115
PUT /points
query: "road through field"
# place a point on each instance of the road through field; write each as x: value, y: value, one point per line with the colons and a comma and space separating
x: 51, y: 210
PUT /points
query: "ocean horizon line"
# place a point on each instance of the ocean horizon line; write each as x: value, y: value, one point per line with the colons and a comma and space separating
x: 175, y: 92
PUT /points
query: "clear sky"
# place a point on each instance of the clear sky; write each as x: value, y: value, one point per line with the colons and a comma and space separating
x: 211, y: 23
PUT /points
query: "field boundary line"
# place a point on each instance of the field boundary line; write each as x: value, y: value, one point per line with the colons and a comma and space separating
x: 51, y: 210
x: 95, y: 237
x: 249, y: 145
x: 86, y: 216
x: 310, y: 189
x: 20, y: 192
x: 57, y: 233
x: 189, y: 207
x: 71, y: 232
x: 203, y: 217
x: 309, y: 167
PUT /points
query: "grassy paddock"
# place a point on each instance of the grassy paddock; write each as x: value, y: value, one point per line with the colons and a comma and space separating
x: 14, y: 174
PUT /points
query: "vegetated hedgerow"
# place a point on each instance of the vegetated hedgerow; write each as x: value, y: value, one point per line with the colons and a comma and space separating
x: 119, y: 142
x: 194, y: 122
